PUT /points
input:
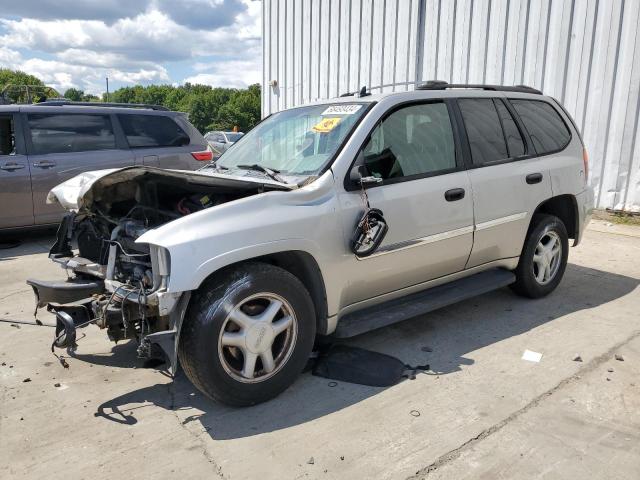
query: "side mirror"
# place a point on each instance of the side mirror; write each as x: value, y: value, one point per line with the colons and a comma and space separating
x: 369, y: 233
x: 360, y: 176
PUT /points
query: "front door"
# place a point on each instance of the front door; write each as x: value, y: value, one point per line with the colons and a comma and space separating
x: 15, y: 180
x: 425, y: 196
x: 65, y: 145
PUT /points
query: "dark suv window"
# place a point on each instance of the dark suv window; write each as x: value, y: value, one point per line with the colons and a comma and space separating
x: 63, y: 133
x: 515, y: 143
x: 7, y: 137
x: 152, y: 131
x: 415, y: 140
x: 484, y: 131
x: 546, y: 128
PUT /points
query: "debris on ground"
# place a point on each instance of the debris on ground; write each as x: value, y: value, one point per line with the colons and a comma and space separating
x: 341, y: 457
x: 311, y: 461
x: 414, y: 413
x: 427, y: 349
x: 4, y: 363
x: 608, y: 379
x: 531, y: 356
x: 610, y: 370
x: 16, y: 326
x: 57, y: 385
x: 577, y: 359
x: 26, y: 380
x: 620, y: 358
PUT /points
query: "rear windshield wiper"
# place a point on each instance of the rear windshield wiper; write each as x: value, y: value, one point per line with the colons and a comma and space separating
x: 270, y: 172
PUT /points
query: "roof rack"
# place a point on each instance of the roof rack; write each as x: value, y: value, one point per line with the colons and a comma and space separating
x: 442, y: 85
x: 62, y: 103
x: 361, y: 93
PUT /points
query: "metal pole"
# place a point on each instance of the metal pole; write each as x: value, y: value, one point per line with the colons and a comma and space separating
x: 107, y: 88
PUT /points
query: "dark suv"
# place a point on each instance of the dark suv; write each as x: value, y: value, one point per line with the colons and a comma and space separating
x: 45, y: 144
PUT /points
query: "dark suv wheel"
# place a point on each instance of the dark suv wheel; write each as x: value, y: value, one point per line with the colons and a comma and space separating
x: 248, y: 333
x: 543, y: 259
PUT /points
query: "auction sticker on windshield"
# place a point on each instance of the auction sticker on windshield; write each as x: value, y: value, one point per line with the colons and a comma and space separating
x: 342, y: 109
x: 326, y: 125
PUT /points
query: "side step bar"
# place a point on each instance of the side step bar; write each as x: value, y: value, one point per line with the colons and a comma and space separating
x: 419, y: 303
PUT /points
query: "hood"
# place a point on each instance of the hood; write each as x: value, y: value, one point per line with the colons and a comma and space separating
x: 76, y: 193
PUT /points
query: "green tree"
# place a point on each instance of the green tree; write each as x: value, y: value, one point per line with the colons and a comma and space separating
x: 20, y: 87
x: 74, y: 94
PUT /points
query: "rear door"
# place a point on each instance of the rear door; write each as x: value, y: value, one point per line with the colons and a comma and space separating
x: 159, y: 140
x: 15, y: 180
x: 61, y: 145
x: 509, y: 181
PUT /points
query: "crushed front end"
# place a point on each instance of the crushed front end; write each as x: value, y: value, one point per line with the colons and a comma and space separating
x: 115, y: 281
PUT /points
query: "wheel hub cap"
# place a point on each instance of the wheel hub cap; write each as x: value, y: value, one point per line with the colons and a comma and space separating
x: 257, y: 338
x: 547, y: 257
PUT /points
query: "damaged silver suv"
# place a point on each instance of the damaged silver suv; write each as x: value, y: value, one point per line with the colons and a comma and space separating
x: 334, y: 218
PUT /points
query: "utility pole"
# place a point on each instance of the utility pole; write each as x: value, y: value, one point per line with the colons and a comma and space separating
x: 107, y: 79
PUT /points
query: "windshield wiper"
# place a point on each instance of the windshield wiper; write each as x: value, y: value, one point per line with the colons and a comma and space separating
x: 270, y: 172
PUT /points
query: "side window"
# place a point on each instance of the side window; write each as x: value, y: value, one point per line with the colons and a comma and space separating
x: 7, y: 135
x: 65, y: 133
x: 414, y: 140
x: 545, y: 126
x: 484, y: 131
x: 144, y: 131
x: 515, y: 143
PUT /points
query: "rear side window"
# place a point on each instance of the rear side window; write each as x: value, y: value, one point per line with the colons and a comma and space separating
x: 484, y: 130
x: 515, y: 143
x: 65, y: 133
x: 546, y: 128
x: 144, y: 131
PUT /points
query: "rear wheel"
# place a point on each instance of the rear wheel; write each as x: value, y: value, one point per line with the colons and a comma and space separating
x: 543, y: 259
x: 248, y: 333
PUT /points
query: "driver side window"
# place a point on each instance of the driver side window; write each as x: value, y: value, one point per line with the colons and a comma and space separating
x: 412, y: 141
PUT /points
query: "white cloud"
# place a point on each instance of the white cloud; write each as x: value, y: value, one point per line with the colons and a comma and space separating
x: 230, y: 73
x: 137, y: 49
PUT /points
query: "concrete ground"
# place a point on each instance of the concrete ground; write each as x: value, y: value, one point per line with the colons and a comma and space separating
x: 483, y: 412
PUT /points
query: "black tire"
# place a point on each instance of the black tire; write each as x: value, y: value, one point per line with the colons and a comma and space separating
x: 206, y: 315
x: 526, y: 283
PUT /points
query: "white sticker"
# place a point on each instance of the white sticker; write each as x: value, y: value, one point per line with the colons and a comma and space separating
x: 531, y: 356
x: 346, y: 109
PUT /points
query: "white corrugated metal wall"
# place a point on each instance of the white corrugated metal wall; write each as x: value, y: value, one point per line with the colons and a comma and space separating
x: 583, y: 52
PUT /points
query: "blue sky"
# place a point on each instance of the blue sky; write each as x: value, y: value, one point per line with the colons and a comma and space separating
x: 77, y: 43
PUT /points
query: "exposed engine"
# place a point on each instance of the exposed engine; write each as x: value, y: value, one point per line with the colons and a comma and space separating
x: 118, y: 283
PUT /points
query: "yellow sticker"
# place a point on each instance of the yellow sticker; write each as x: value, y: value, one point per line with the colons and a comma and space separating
x: 326, y: 125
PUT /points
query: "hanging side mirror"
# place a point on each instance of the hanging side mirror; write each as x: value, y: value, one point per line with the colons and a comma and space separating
x: 369, y: 233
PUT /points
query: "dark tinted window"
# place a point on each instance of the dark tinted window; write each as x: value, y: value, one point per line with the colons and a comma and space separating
x: 515, y: 143
x: 61, y: 133
x: 414, y: 140
x: 546, y: 128
x: 484, y: 131
x: 152, y: 131
x: 7, y: 137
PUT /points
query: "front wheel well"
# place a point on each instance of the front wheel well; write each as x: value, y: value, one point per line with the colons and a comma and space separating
x: 305, y: 267
x: 565, y: 208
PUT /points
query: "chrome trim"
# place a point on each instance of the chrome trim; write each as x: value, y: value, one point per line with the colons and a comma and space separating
x: 416, y: 242
x: 499, y: 221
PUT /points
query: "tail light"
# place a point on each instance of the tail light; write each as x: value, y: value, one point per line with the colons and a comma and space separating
x: 204, y: 156
x: 585, y: 160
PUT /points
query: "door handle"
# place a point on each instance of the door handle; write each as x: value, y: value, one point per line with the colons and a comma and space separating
x: 454, y: 194
x: 534, y: 178
x: 44, y: 164
x: 10, y: 167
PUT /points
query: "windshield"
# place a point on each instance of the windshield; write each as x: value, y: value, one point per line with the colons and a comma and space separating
x: 234, y: 137
x: 299, y: 141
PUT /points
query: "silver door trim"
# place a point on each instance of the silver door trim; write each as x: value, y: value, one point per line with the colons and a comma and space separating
x: 416, y: 242
x: 499, y: 221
